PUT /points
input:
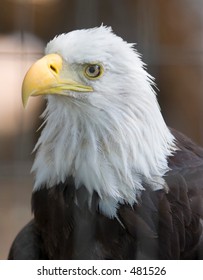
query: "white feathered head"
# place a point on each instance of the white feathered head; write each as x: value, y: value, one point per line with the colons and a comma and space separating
x: 103, y: 124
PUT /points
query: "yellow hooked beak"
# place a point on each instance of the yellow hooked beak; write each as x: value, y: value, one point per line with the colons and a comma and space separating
x: 47, y: 76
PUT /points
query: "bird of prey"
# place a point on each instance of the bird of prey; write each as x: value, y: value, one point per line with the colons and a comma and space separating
x: 112, y: 181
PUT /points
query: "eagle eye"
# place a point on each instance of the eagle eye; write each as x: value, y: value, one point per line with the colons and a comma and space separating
x: 93, y: 71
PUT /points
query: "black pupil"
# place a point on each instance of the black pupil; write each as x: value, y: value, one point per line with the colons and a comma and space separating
x: 93, y: 69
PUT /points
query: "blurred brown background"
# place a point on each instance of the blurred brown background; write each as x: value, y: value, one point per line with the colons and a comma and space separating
x: 169, y: 34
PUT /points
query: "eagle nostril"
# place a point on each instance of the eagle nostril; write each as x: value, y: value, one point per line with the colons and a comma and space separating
x: 53, y: 68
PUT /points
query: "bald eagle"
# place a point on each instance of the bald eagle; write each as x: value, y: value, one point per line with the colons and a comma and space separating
x: 112, y: 181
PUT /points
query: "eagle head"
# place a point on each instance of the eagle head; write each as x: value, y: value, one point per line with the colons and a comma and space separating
x: 103, y: 124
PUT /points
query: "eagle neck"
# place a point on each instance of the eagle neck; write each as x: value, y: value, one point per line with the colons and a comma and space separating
x: 109, y: 156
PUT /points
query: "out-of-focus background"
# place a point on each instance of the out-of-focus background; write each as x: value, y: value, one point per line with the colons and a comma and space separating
x: 169, y: 34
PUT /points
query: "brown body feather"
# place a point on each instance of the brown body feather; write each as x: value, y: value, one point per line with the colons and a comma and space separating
x: 162, y: 225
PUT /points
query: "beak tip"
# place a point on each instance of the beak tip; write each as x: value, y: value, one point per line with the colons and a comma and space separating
x: 24, y: 105
x: 24, y: 101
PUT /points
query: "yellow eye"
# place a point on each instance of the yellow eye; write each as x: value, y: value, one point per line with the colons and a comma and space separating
x: 93, y: 71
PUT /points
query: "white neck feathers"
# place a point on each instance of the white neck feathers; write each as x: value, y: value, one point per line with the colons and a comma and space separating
x: 109, y: 151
